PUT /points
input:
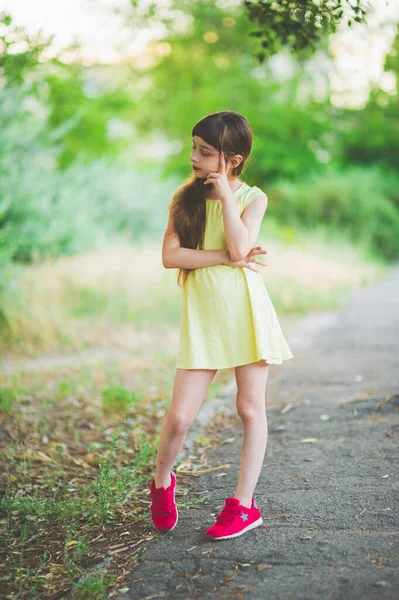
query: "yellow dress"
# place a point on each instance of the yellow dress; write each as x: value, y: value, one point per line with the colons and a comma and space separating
x: 227, y: 317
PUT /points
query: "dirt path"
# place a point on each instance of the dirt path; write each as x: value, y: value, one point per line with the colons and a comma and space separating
x: 330, y: 506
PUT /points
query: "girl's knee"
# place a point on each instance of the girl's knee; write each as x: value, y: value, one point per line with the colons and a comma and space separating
x: 178, y: 423
x: 250, y: 409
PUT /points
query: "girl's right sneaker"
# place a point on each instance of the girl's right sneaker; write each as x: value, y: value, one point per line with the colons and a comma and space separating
x: 163, y: 507
x: 234, y: 520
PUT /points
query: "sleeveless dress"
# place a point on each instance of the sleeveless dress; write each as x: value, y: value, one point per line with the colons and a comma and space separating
x: 227, y: 317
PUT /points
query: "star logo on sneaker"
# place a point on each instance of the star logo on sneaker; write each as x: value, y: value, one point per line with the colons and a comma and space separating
x: 244, y: 516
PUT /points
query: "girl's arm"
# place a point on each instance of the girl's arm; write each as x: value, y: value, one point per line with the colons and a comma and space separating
x: 188, y: 258
x: 175, y: 257
x: 241, y: 232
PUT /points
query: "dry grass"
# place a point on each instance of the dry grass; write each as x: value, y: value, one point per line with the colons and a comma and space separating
x: 123, y: 297
x: 315, y: 273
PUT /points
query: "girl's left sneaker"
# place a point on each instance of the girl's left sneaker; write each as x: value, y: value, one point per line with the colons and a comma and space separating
x: 234, y: 520
x: 163, y: 506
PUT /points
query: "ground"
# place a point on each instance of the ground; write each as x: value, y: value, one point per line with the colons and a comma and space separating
x: 328, y: 490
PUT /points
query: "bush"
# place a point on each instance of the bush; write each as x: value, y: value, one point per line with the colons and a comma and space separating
x: 46, y: 213
x: 361, y: 202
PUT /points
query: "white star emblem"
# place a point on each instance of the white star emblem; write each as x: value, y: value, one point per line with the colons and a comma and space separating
x: 244, y: 516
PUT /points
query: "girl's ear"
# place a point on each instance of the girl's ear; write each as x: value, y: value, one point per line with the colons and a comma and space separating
x: 236, y: 160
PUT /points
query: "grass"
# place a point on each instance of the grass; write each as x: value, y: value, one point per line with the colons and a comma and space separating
x: 123, y: 297
x: 317, y: 270
x: 78, y: 450
x: 107, y: 297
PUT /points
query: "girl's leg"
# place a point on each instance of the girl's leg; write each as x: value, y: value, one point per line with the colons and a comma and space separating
x: 189, y: 391
x: 251, y: 407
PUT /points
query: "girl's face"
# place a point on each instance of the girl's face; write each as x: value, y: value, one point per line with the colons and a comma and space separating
x: 204, y: 157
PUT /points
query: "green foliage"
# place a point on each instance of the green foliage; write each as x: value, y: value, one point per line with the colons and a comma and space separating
x: 81, y: 111
x: 370, y: 136
x: 361, y: 202
x: 20, y: 53
x: 66, y: 388
x: 8, y: 397
x: 86, y: 116
x: 35, y: 218
x: 298, y: 24
x: 93, y: 585
x: 45, y: 212
x: 291, y: 139
x: 116, y: 399
x: 207, y: 62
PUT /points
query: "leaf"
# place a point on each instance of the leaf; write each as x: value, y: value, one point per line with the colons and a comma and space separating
x: 49, y: 575
x: 262, y: 566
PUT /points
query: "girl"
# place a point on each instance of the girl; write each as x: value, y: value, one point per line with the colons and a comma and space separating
x: 227, y: 318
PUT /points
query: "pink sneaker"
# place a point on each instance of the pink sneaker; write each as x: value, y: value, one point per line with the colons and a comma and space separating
x: 234, y: 520
x: 163, y: 507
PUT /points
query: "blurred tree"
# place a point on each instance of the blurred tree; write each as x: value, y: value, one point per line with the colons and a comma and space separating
x: 20, y: 53
x: 299, y: 25
x: 80, y: 103
x: 199, y: 68
x: 371, y: 135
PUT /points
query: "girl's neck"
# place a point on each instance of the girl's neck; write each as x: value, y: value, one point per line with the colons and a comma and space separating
x: 234, y: 185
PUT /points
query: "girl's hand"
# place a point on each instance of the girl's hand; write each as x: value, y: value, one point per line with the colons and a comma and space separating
x: 219, y: 179
x: 248, y: 260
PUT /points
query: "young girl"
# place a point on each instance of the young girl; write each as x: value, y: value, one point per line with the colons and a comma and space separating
x: 227, y: 319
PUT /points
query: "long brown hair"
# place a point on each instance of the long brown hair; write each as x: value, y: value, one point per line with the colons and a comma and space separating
x: 230, y: 133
